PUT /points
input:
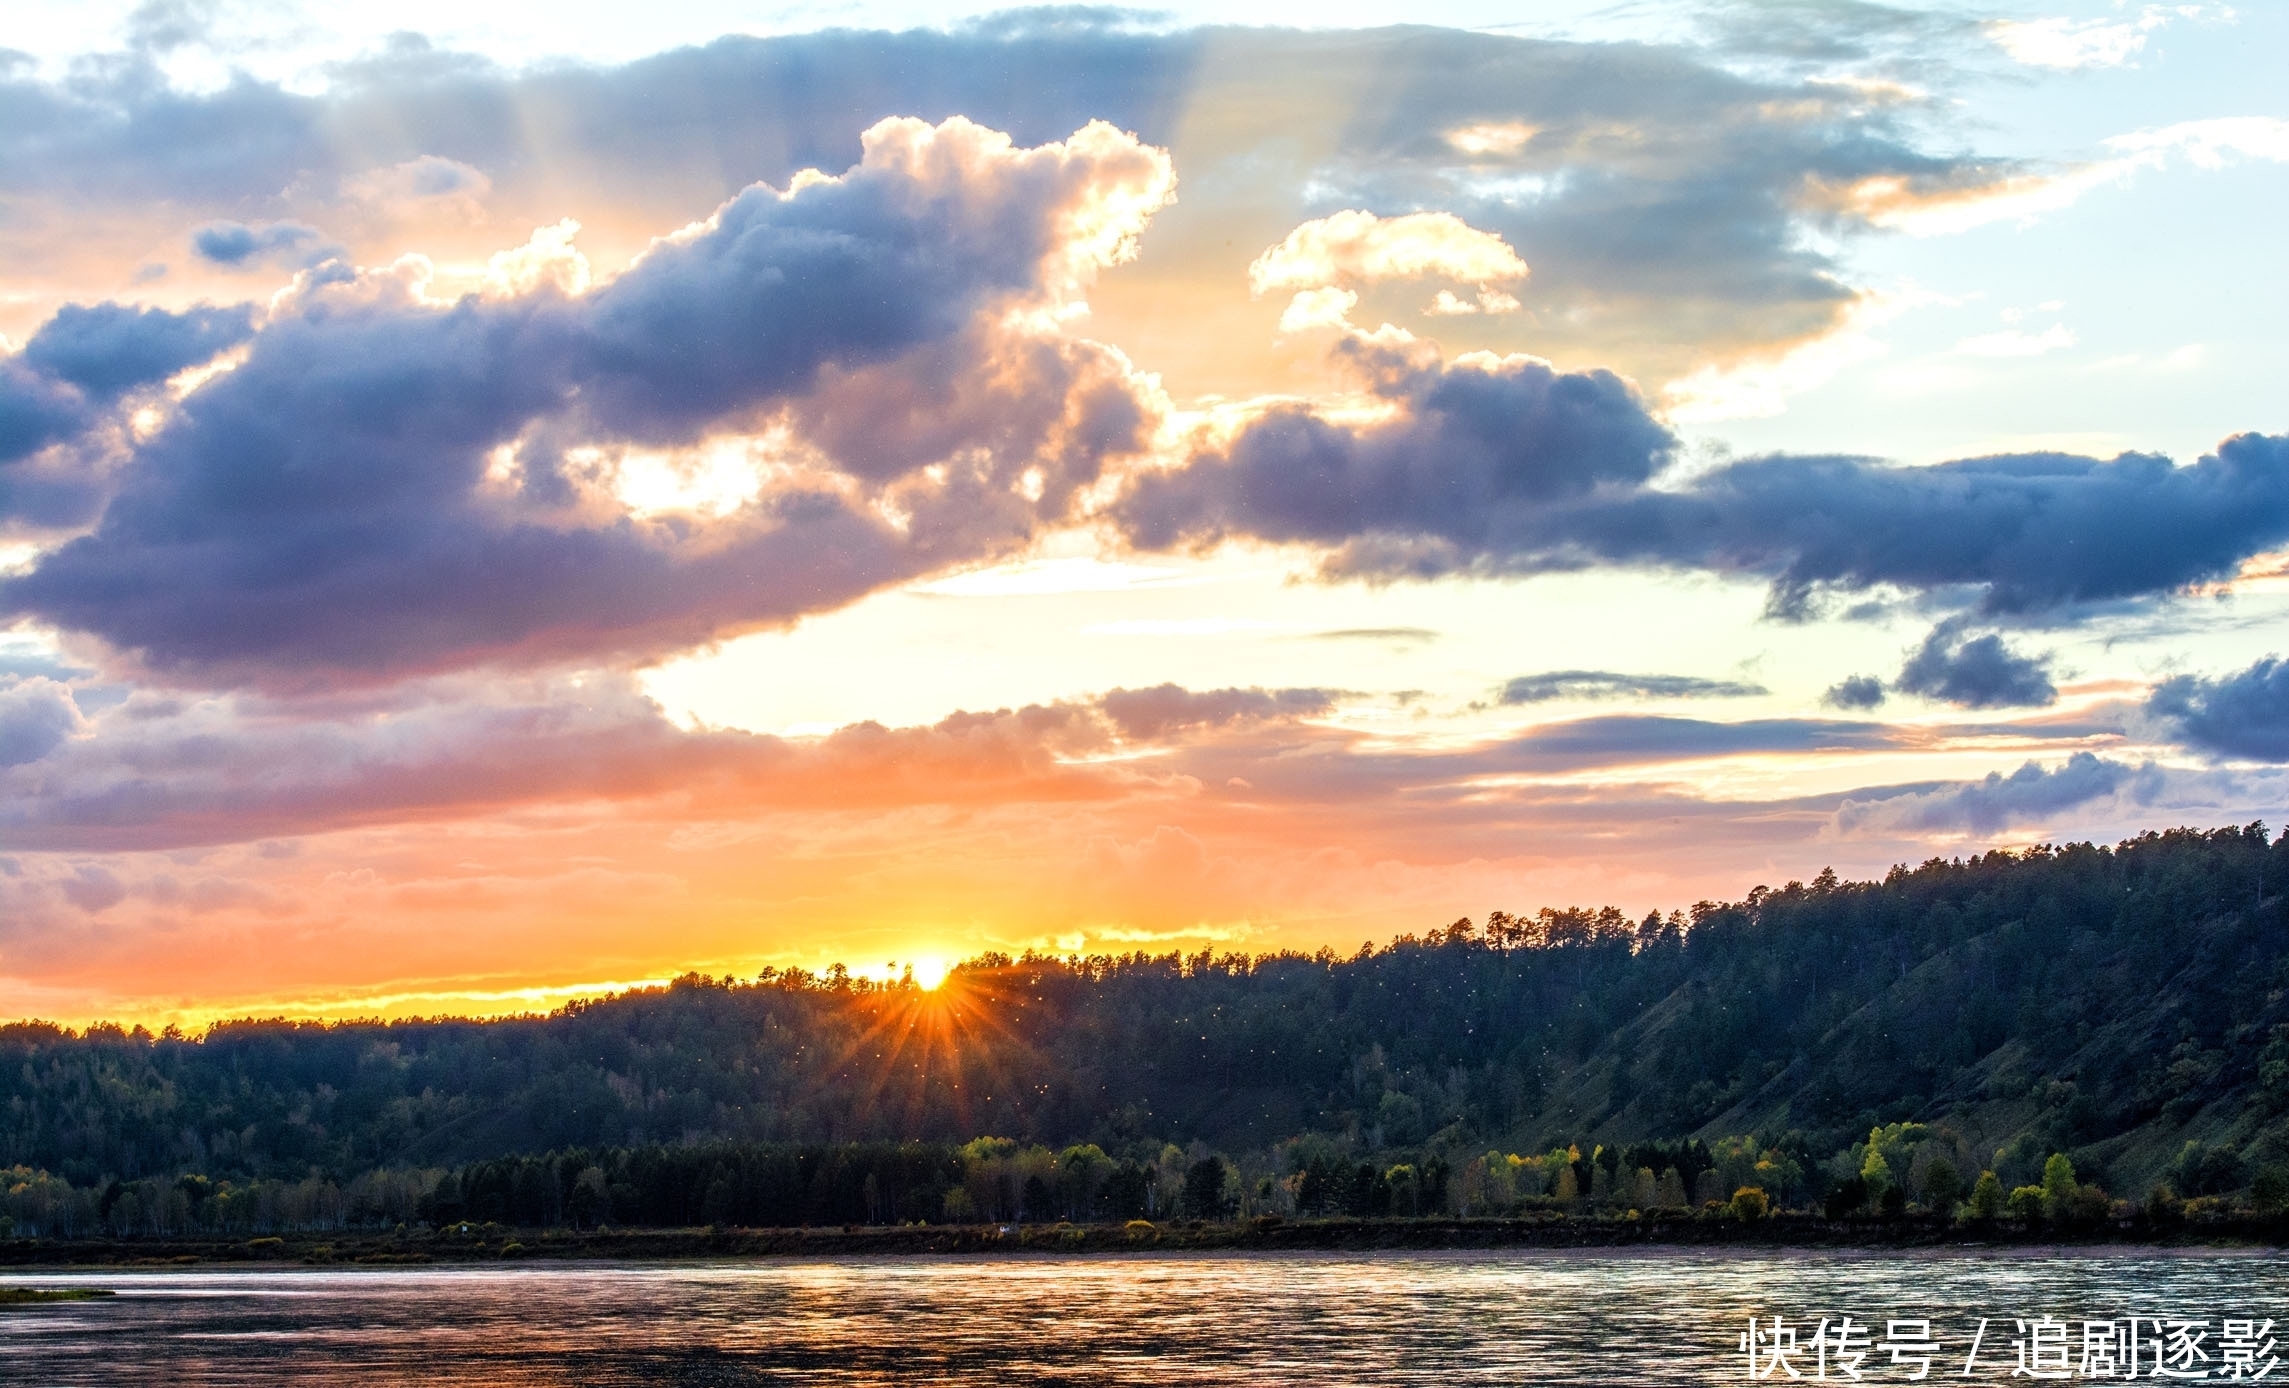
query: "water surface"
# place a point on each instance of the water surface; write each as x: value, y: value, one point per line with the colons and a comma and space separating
x: 1261, y: 1320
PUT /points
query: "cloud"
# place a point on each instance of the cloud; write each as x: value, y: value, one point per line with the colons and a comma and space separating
x: 2017, y: 342
x: 456, y: 826
x: 833, y: 385
x: 150, y: 772
x: 1446, y: 304
x: 1975, y: 671
x: 144, y: 772
x: 35, y: 410
x: 2245, y: 714
x: 1862, y: 44
x: 548, y: 259
x: 1643, y: 739
x: 1474, y: 451
x: 108, y: 349
x: 1606, y: 684
x: 1506, y: 466
x: 236, y: 243
x: 161, y: 773
x: 36, y: 715
x: 1859, y: 692
x: 20, y: 658
x: 1662, y: 197
x: 1964, y: 196
x: 1361, y: 248
x: 421, y: 184
x: 387, y: 485
x: 2072, y: 45
x: 1324, y: 767
x: 1497, y: 138
x: 2209, y: 143
x: 2032, y: 531
x: 1325, y: 256
x: 1145, y: 715
x: 1759, y: 386
x: 94, y: 889
x: 58, y: 395
x: 2033, y: 794
x: 1376, y: 634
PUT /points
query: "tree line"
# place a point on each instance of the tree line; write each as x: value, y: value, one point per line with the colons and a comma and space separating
x: 1899, y: 1169
x: 2120, y: 1006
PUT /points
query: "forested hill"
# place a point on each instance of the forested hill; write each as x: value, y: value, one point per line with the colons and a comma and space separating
x: 2111, y: 1003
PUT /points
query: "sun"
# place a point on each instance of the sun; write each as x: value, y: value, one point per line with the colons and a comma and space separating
x: 929, y: 972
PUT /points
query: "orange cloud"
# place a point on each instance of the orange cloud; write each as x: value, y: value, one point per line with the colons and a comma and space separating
x: 498, y: 859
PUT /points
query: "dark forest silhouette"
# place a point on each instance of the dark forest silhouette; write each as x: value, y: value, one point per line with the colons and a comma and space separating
x: 1829, y: 1041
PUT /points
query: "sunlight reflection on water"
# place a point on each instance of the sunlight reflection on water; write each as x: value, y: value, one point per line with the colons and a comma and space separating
x: 1510, y: 1318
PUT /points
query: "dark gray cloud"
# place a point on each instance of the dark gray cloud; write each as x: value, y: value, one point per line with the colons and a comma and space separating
x: 1143, y: 715
x: 1608, y: 684
x: 1473, y: 455
x: 70, y: 379
x: 1855, y: 692
x: 106, y: 349
x: 2244, y: 714
x: 1322, y: 766
x: 1975, y: 671
x: 35, y: 410
x: 1627, y: 739
x: 236, y: 243
x: 1821, y: 35
x: 1515, y: 468
x: 327, y: 508
x: 2029, y: 531
x: 2031, y: 794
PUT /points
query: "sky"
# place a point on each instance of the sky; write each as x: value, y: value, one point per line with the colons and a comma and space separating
x: 500, y: 504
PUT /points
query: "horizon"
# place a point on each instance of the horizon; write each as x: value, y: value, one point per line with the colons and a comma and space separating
x: 931, y: 975
x: 500, y: 509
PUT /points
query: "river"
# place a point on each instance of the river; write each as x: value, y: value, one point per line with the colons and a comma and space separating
x: 1259, y: 1320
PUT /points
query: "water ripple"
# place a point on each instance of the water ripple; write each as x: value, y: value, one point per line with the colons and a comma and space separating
x: 1265, y: 1321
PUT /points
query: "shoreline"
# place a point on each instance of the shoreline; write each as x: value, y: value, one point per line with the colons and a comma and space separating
x: 493, y: 1244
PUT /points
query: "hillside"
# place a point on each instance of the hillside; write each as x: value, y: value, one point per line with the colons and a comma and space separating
x: 2112, y: 1003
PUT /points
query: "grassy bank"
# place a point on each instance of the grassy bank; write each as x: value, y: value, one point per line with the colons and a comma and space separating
x: 40, y: 1296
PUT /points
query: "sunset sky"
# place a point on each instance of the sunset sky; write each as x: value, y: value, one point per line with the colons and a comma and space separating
x: 499, y: 508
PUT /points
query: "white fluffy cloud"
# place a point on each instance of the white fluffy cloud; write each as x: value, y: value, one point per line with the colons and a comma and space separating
x: 1360, y: 247
x: 2075, y: 44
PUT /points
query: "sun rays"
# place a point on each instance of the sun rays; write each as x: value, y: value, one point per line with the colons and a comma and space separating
x: 936, y: 1050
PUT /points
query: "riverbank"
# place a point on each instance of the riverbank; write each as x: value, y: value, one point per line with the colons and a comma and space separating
x: 463, y: 1244
x: 11, y: 1297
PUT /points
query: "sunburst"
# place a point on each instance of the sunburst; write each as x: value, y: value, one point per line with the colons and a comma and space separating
x: 932, y: 1038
